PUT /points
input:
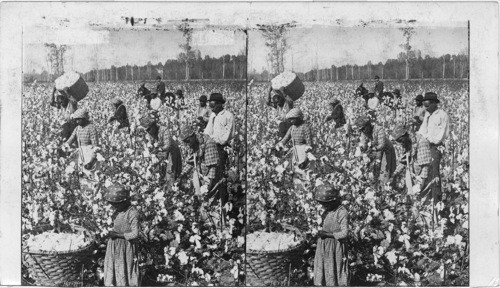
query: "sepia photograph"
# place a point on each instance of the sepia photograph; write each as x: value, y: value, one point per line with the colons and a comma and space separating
x: 133, y: 143
x: 358, y: 166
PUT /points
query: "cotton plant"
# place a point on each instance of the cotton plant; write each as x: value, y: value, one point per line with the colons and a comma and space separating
x: 392, y: 223
x: 51, y: 194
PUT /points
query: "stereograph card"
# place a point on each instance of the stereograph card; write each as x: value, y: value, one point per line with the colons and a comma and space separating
x: 249, y: 144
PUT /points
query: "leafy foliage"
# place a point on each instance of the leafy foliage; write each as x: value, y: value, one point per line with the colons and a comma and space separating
x: 393, y: 237
x: 180, y: 244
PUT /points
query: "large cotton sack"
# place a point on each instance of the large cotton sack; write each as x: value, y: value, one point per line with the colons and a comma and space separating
x: 75, y: 83
x: 292, y: 85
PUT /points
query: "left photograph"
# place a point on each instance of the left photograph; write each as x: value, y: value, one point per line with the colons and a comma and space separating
x: 133, y: 150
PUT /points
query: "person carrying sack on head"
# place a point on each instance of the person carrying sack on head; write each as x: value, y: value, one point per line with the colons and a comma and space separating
x: 301, y: 136
x: 381, y: 150
x: 283, y: 104
x: 86, y: 136
x: 435, y: 128
x: 64, y: 101
x: 67, y: 105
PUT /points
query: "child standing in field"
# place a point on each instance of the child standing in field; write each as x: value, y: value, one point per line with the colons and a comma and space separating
x: 121, y: 267
x: 331, y: 267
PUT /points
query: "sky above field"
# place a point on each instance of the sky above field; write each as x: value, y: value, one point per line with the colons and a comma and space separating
x: 324, y: 45
x: 328, y: 46
x: 123, y: 46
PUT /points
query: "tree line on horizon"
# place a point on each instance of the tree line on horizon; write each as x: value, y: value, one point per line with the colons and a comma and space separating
x: 427, y: 67
x: 224, y: 67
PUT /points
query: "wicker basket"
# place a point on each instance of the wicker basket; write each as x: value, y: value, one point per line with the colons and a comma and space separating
x: 61, y: 268
x: 271, y: 268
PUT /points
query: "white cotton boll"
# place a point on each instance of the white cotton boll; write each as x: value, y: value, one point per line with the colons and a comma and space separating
x: 415, y: 189
x: 99, y: 157
x: 264, y: 241
x: 388, y: 215
x: 69, y: 170
x: 183, y: 258
x: 310, y: 156
x: 358, y: 152
x: 51, y: 241
x: 107, y: 183
x: 318, y: 182
x: 204, y: 189
x: 280, y: 169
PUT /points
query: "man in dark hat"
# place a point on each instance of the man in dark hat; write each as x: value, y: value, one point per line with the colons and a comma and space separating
x: 418, y: 112
x: 379, y: 87
x: 435, y: 128
x: 337, y: 114
x: 203, y: 113
x: 435, y: 125
x: 220, y: 127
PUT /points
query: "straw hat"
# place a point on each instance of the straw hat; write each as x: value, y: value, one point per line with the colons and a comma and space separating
x: 399, y: 131
x: 294, y: 113
x: 116, y: 101
x: 326, y: 193
x: 117, y: 193
x: 81, y: 113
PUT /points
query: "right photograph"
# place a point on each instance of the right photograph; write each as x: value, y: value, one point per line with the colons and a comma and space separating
x: 358, y: 154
